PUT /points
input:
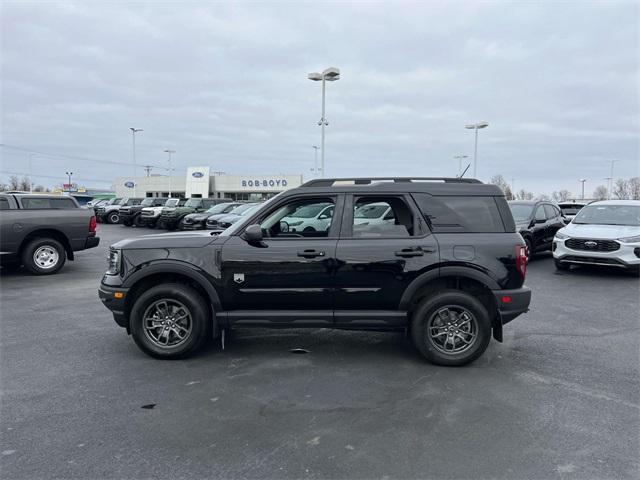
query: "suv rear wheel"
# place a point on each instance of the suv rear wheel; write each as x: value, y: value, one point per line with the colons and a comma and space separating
x: 170, y: 321
x: 451, y: 328
x: 113, y: 217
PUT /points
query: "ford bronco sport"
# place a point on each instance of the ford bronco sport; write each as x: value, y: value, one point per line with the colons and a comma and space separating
x: 449, y: 269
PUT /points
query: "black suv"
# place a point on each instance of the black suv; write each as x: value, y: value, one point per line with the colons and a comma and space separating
x: 537, y: 222
x: 447, y: 264
x: 130, y: 215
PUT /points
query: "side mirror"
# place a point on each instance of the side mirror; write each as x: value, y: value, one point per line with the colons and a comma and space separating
x: 253, y: 234
x: 284, y: 227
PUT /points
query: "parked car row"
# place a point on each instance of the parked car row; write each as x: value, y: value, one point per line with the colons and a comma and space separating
x: 605, y: 233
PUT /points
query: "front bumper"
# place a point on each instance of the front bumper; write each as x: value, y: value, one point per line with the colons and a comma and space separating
x: 512, y: 303
x: 627, y: 256
x: 116, y: 305
x: 168, y: 222
x: 193, y: 226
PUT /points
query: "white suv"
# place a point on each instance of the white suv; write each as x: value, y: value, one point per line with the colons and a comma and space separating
x: 602, y: 233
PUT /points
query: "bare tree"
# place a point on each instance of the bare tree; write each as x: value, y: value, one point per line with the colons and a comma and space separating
x: 600, y: 193
x: 543, y: 196
x: 3, y: 186
x: 621, y: 189
x: 524, y: 195
x: 504, y: 186
x: 508, y: 193
x: 561, y: 195
x: 40, y: 188
x: 25, y: 184
x: 634, y: 188
x: 14, y: 183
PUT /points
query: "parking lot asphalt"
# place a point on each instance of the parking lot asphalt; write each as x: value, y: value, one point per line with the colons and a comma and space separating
x: 558, y: 399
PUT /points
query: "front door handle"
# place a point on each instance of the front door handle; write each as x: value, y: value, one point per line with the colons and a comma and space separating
x: 410, y: 252
x: 311, y: 253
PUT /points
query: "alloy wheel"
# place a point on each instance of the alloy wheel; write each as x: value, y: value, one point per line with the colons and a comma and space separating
x: 167, y: 323
x: 452, y: 330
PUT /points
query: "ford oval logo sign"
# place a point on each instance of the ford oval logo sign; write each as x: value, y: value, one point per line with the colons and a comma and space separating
x: 129, y: 184
x: 197, y: 174
x: 591, y: 243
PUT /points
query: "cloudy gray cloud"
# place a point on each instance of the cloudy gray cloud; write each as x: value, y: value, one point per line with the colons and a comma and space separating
x: 225, y: 85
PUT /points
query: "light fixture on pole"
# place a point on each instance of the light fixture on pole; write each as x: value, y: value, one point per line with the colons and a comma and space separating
x: 135, y: 166
x: 69, y: 175
x: 476, y: 127
x: 459, y: 158
x: 331, y: 74
x: 582, y: 180
x: 611, y: 178
x: 170, y: 152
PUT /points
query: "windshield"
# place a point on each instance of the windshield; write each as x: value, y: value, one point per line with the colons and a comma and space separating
x: 249, y: 210
x: 122, y: 201
x: 370, y: 211
x: 147, y: 201
x: 520, y: 211
x: 193, y: 202
x: 242, y: 208
x: 172, y: 202
x: 221, y: 208
x: 609, y: 215
x: 571, y: 209
x: 309, y: 211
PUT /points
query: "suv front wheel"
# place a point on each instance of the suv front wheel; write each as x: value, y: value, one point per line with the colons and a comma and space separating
x: 452, y: 328
x: 170, y: 321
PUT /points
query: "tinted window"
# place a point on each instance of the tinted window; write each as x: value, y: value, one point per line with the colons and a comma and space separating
x: 299, y: 218
x: 552, y: 212
x: 4, y: 204
x: 609, y: 215
x: 47, y: 203
x: 461, y: 214
x: 520, y: 211
x: 540, y: 214
x: 369, y: 219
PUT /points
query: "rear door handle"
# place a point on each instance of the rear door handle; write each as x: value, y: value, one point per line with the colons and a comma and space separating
x: 311, y: 253
x: 410, y: 252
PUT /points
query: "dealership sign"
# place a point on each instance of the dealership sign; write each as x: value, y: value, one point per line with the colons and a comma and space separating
x: 197, y: 174
x: 129, y: 184
x: 264, y: 182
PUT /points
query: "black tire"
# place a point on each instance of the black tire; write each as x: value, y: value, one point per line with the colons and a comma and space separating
x: 113, y: 217
x: 151, y: 224
x: 138, y: 221
x: 44, y: 256
x: 561, y: 265
x: 173, y: 293
x: 180, y: 224
x: 127, y: 223
x: 528, y: 248
x: 476, y: 316
x: 309, y: 229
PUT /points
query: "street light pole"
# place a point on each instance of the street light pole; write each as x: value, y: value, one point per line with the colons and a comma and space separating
x: 135, y: 166
x: 582, y: 180
x: 460, y: 157
x: 330, y: 74
x: 31, y: 155
x: 611, y: 178
x: 315, y: 159
x: 170, y: 152
x: 476, y: 127
x: 69, y: 174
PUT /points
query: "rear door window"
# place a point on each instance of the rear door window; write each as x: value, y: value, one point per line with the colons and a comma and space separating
x: 34, y: 203
x: 460, y: 214
x: 551, y: 211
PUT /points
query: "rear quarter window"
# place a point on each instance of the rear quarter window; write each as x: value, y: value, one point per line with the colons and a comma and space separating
x: 463, y: 214
x: 47, y: 203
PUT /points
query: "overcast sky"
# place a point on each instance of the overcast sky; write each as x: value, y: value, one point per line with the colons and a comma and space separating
x: 226, y: 86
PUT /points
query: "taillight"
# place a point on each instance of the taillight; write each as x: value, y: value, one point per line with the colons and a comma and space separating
x: 521, y: 260
x: 92, y: 224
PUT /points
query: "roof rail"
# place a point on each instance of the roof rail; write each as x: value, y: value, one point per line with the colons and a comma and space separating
x: 329, y: 182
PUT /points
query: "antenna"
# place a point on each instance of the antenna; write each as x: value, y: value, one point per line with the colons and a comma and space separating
x: 465, y: 171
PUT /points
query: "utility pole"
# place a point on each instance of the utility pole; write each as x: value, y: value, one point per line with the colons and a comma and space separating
x: 611, y: 178
x: 315, y: 161
x: 330, y: 74
x: 69, y: 175
x: 476, y: 127
x: 582, y: 180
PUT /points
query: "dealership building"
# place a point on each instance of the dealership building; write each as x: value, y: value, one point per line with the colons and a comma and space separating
x: 199, y: 183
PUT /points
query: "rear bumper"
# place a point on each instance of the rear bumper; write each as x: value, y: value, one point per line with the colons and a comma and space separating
x: 92, y: 242
x: 116, y: 305
x: 512, y: 303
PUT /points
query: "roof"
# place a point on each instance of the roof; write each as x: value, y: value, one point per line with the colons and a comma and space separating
x: 616, y: 202
x: 431, y: 185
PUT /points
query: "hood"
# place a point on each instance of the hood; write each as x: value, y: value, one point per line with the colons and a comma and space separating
x: 152, y: 209
x: 197, y: 217
x: 228, y: 217
x: 604, y: 232
x: 195, y: 239
x: 218, y: 216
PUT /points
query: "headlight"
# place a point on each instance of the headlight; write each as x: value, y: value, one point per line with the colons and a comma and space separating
x: 295, y: 224
x: 561, y: 236
x: 635, y: 239
x: 113, y: 262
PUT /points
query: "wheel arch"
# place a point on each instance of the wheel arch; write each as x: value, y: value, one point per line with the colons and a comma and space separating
x: 465, y: 279
x: 47, y: 233
x: 170, y: 272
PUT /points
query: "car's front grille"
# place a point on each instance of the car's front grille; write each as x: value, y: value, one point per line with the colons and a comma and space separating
x: 147, y: 214
x: 592, y: 245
